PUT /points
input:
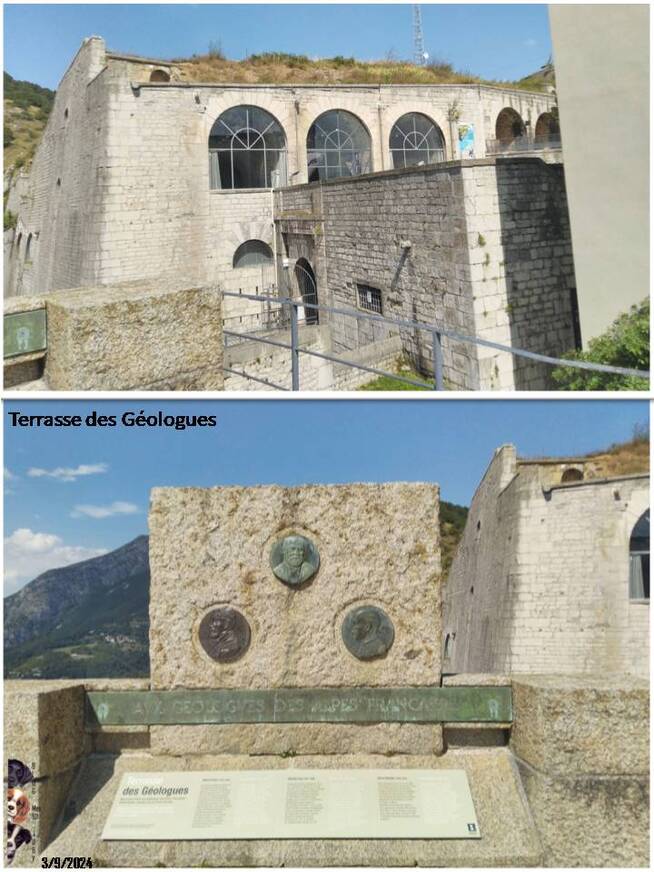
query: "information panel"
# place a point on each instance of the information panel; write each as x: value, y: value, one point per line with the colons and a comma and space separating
x: 293, y: 804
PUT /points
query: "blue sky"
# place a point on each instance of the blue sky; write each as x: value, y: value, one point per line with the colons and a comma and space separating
x: 496, y: 41
x: 90, y: 489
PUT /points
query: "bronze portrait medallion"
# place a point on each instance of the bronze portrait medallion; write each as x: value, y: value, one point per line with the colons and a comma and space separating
x: 367, y: 632
x: 224, y: 634
x: 294, y: 560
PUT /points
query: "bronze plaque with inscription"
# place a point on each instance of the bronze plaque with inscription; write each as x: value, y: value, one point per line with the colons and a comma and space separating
x: 224, y: 634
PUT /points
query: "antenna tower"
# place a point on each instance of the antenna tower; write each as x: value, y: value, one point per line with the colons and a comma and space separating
x: 419, y: 54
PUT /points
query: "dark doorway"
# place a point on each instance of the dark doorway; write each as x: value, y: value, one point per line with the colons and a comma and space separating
x: 306, y: 280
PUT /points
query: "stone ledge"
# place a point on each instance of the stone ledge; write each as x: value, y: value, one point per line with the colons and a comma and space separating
x: 476, y: 679
x: 590, y: 820
x: 581, y: 724
x: 15, y: 305
x: 508, y: 834
x: 297, y: 739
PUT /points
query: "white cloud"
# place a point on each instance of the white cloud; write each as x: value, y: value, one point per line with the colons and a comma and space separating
x: 530, y: 43
x: 68, y: 473
x: 28, y: 554
x: 115, y: 508
x: 9, y: 477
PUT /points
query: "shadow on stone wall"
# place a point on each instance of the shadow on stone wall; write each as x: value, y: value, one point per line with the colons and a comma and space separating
x: 538, y: 264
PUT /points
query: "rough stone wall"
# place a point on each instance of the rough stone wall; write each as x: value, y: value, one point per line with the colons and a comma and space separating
x: 541, y: 579
x: 60, y: 203
x: 489, y: 256
x: 359, y: 240
x: 526, y: 260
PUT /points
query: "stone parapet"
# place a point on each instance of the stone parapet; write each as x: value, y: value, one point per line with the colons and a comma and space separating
x: 582, y: 724
x: 44, y: 729
x: 146, y: 336
x: 582, y: 748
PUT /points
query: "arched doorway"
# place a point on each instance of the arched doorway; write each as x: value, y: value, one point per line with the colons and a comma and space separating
x: 509, y: 126
x: 306, y: 281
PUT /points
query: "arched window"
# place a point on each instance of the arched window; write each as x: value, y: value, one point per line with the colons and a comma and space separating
x: 639, y: 559
x: 159, y: 76
x: 547, y: 130
x: 254, y: 252
x: 416, y: 139
x: 247, y: 149
x: 509, y: 126
x: 338, y: 144
x: 572, y: 474
x: 18, y: 242
x: 28, y: 247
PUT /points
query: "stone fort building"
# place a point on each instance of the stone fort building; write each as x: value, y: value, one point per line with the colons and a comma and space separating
x: 427, y: 202
x: 552, y: 572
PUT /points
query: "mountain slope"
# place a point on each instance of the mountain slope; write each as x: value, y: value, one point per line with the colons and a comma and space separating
x: 40, y: 606
x: 26, y: 110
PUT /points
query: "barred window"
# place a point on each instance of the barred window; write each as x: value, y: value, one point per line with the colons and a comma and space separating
x: 416, y: 139
x: 338, y: 144
x: 369, y: 298
x: 247, y: 149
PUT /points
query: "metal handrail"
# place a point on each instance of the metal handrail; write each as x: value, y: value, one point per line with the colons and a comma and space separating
x: 436, y: 331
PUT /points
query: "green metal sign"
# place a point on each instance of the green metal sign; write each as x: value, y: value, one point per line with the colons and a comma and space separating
x: 294, y: 706
x: 24, y: 333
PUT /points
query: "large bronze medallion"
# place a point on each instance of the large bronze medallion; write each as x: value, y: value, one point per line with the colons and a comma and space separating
x: 367, y: 632
x: 294, y: 560
x: 224, y: 634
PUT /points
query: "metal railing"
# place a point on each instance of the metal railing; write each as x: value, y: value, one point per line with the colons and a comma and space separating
x: 436, y: 333
x: 523, y: 143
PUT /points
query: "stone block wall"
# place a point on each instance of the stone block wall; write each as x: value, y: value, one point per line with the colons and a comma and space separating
x: 489, y: 257
x: 540, y: 582
x: 581, y: 745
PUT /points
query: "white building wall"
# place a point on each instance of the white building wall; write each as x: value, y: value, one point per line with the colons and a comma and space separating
x: 540, y: 581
